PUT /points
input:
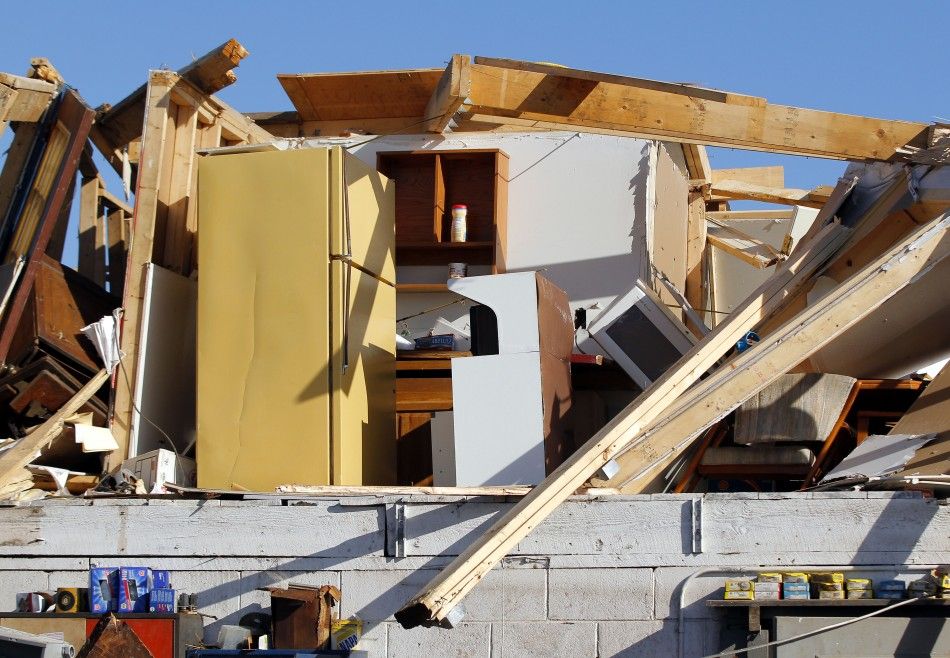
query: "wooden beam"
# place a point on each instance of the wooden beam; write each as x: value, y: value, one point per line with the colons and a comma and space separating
x: 440, y: 596
x: 731, y: 189
x: 800, y: 337
x: 24, y: 451
x: 768, y: 176
x: 108, y: 198
x: 450, y: 94
x: 8, y: 96
x: 550, y: 97
x: 119, y: 124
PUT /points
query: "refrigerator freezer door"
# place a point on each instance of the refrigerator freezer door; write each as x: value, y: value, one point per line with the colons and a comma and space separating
x: 263, y: 331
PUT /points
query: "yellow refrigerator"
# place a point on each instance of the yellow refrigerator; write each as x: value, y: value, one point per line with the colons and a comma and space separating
x: 296, y: 321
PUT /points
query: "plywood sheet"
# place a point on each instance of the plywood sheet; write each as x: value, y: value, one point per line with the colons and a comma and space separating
x: 363, y: 95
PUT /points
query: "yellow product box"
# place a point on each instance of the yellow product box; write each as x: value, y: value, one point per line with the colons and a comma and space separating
x: 769, y: 577
x: 345, y: 633
x: 795, y: 577
x: 859, y: 583
x: 829, y: 587
x: 860, y: 594
x: 827, y: 577
x: 831, y: 594
x: 747, y: 595
x: 739, y: 585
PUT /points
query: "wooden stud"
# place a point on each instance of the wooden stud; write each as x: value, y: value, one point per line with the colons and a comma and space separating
x: 117, y: 220
x: 177, y: 251
x: 695, y: 245
x: 747, y: 249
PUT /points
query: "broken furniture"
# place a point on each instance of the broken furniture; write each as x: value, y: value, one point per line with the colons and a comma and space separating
x: 302, y: 616
x: 776, y: 430
x: 296, y: 309
x: 510, y: 421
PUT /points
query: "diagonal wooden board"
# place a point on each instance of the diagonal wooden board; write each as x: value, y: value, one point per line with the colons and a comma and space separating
x: 713, y: 398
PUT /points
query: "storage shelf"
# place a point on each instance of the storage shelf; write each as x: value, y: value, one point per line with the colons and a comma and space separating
x: 443, y: 253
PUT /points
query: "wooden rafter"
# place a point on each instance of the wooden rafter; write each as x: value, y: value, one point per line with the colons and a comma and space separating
x: 24, y: 99
x: 550, y: 97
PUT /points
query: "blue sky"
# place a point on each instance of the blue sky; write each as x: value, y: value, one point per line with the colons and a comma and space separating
x: 863, y: 57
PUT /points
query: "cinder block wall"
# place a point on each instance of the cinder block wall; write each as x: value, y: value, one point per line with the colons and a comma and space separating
x: 601, y: 577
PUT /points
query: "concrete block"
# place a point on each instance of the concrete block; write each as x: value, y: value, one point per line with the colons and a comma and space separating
x: 12, y: 582
x: 669, y: 580
x: 253, y: 600
x: 467, y: 640
x: 550, y: 638
x: 632, y: 639
x: 375, y: 639
x: 629, y: 639
x: 518, y: 594
x: 604, y: 594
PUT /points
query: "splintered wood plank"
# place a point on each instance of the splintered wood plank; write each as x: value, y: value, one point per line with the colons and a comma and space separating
x: 8, y: 97
x: 362, y: 95
x: 30, y: 98
x: 549, y: 97
x: 697, y: 163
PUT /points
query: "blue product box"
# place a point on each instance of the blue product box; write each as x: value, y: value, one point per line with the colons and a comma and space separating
x: 161, y: 579
x: 103, y: 594
x: 796, y: 591
x: 134, y: 585
x: 437, y: 342
x: 161, y: 599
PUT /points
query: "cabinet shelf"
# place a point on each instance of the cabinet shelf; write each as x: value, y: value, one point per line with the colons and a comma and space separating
x: 428, y: 183
x: 421, y: 287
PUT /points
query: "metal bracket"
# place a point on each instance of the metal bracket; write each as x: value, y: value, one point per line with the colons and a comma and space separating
x: 396, y: 530
x: 697, y: 523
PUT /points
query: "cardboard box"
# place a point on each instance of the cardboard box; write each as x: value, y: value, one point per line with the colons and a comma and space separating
x: 157, y: 467
x: 796, y: 591
x: 739, y: 585
x: 747, y: 595
x: 769, y: 577
x: 795, y: 577
x: 103, y: 589
x: 161, y: 599
x: 831, y: 594
x: 767, y: 587
x: 161, y: 579
x: 135, y: 583
x: 860, y: 594
x: 345, y: 634
x: 771, y: 595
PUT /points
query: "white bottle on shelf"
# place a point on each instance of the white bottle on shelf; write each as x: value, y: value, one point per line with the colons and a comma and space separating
x: 459, y: 211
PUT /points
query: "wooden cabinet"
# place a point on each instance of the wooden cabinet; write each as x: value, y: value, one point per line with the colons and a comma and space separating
x: 428, y: 184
